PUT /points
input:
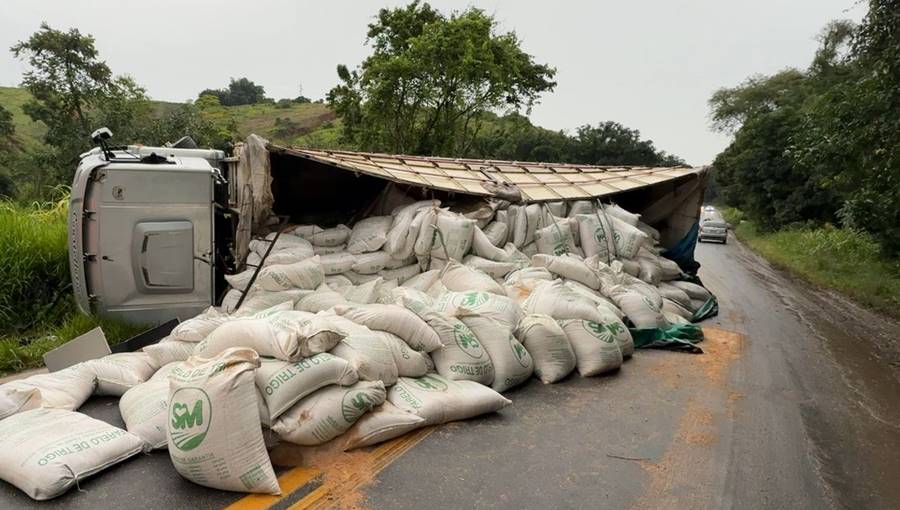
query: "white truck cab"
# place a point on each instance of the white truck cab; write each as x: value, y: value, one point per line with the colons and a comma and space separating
x: 142, y: 231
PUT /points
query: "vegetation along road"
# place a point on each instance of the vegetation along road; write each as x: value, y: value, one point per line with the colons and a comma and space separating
x: 791, y: 405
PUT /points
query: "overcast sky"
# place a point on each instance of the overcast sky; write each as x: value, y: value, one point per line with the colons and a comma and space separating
x: 650, y: 65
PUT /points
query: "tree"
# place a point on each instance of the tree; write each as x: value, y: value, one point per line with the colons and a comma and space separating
x: 514, y: 137
x: 239, y: 92
x: 610, y: 143
x: 66, y: 77
x: 195, y: 120
x: 853, y: 128
x: 73, y: 92
x: 431, y: 79
x: 821, y: 144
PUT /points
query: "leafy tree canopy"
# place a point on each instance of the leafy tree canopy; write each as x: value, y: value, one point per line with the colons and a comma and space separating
x: 821, y: 144
x: 430, y: 80
x: 239, y: 91
x: 73, y: 91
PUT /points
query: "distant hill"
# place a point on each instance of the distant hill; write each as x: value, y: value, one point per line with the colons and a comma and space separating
x: 293, y: 124
x: 28, y: 132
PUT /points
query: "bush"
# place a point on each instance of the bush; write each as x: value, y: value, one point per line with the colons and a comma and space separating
x: 850, y: 261
x: 34, y: 264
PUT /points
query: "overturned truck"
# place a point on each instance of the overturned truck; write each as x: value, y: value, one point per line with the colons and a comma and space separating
x: 345, y: 298
x: 163, y: 232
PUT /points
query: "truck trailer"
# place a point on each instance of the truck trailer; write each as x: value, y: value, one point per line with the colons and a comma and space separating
x: 153, y: 231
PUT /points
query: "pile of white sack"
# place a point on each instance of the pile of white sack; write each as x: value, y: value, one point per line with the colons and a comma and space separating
x: 358, y: 335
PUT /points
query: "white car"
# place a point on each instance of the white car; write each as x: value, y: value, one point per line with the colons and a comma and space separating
x: 714, y: 230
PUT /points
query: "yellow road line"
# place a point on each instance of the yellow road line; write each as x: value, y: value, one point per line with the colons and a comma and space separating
x: 289, y: 482
x: 328, y: 495
x: 379, y: 458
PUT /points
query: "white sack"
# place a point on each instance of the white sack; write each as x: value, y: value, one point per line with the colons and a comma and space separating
x: 117, y: 373
x: 65, y: 389
x: 641, y: 310
x: 306, y: 231
x: 45, y: 452
x: 214, y: 433
x: 370, y: 356
x: 401, y: 274
x: 369, y: 234
x: 402, y: 235
x: 338, y: 283
x: 327, y: 250
x: 555, y: 239
x: 410, y: 362
x: 370, y: 263
x: 491, y: 268
x: 315, y: 334
x: 560, y: 302
x: 260, y: 335
x: 460, y: 278
x: 439, y: 400
x: 328, y: 413
x: 512, y: 362
x: 145, y: 411
x: 527, y: 219
x: 494, y: 306
x: 329, y: 237
x: 484, y: 247
x: 167, y: 351
x: 196, y: 329
x: 693, y: 290
x: 628, y: 238
x: 568, y: 267
x: 261, y: 300
x: 283, y: 383
x: 461, y: 356
x: 674, y: 293
x: 596, y: 350
x: 306, y: 274
x: 623, y: 215
x: 423, y: 281
x: 393, y: 319
x: 322, y: 299
x: 549, y: 347
x: 452, y: 236
x: 365, y: 293
x: 385, y: 422
x: 497, y: 232
x: 336, y: 263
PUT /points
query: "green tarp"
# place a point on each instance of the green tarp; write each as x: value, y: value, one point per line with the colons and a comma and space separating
x: 679, y: 337
x: 682, y: 336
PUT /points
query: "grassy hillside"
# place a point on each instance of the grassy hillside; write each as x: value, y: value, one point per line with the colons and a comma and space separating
x: 28, y: 132
x: 288, y: 125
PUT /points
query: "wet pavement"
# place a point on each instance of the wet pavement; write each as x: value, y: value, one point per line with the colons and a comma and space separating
x: 792, y: 405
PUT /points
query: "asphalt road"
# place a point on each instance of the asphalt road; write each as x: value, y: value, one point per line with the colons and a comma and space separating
x: 792, y: 405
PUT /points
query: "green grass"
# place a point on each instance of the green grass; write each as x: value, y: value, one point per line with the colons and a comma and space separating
x: 33, y: 262
x: 26, y: 351
x: 840, y: 259
x: 304, y: 118
x: 37, y: 309
x: 28, y: 132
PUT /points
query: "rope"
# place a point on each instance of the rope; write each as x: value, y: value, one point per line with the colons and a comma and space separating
x: 610, y: 242
x: 558, y: 230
